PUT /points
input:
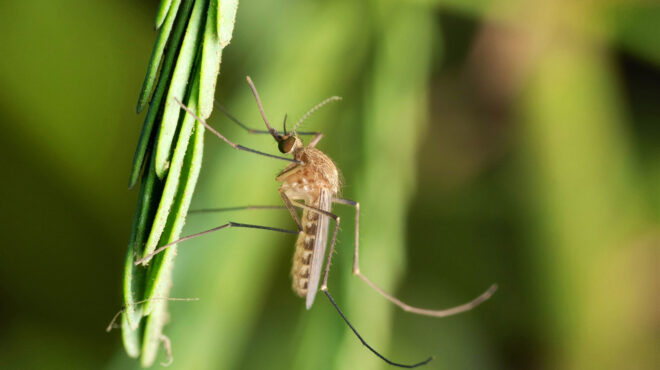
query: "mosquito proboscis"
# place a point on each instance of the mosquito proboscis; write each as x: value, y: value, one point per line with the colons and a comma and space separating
x: 311, y: 182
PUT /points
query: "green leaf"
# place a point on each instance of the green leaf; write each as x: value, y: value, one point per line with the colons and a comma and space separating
x: 177, y: 88
x: 144, y: 144
x: 133, y: 275
x: 192, y: 53
x: 153, y: 332
x: 131, y: 337
x: 226, y: 18
x: 157, y: 56
x: 162, y: 11
x: 173, y: 176
x: 161, y: 279
x: 212, y: 15
x: 211, y: 54
x: 166, y: 70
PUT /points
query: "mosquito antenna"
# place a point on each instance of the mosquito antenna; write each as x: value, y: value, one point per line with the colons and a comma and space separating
x: 261, y: 108
x: 316, y: 107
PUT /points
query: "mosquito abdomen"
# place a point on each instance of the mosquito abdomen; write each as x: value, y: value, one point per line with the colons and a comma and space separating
x: 302, y: 259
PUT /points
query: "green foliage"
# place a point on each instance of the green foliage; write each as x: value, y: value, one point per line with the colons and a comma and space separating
x: 189, y: 70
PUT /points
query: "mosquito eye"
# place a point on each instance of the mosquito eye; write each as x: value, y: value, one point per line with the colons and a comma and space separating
x: 285, y: 146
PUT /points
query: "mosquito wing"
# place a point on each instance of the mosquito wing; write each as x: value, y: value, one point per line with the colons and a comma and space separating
x: 320, y: 241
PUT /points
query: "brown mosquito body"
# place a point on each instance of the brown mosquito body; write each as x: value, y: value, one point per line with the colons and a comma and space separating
x: 311, y: 182
x: 315, y: 181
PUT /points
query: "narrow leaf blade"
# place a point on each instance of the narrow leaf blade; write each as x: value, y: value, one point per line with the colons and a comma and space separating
x: 161, y: 278
x: 178, y: 83
x: 134, y: 275
x: 156, y: 57
x: 210, y: 63
x: 226, y: 18
x: 162, y: 12
x: 174, y: 175
x: 131, y: 337
x: 156, y: 101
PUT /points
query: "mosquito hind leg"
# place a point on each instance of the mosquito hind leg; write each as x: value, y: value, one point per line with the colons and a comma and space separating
x: 324, y: 289
x: 406, y: 307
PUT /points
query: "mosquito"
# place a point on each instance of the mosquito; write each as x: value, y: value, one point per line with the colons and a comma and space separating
x: 311, y: 182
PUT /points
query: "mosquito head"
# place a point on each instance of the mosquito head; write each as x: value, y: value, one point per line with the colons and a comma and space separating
x: 287, y: 143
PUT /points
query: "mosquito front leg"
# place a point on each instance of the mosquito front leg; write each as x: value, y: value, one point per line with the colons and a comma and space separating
x: 406, y: 307
x: 146, y: 259
x: 239, y: 123
x: 231, y: 143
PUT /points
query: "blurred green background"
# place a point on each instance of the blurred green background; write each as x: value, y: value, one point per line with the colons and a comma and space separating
x: 513, y: 142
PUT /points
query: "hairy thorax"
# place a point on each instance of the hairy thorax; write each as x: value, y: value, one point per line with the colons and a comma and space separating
x: 304, y: 181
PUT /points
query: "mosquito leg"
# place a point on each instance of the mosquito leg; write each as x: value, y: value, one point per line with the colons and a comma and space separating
x: 324, y: 288
x: 364, y: 343
x: 356, y: 205
x: 243, y: 208
x: 271, y: 130
x: 315, y: 140
x: 229, y: 209
x: 250, y: 130
x: 146, y: 259
x: 236, y: 121
x: 289, y: 205
x: 231, y: 143
x: 408, y: 308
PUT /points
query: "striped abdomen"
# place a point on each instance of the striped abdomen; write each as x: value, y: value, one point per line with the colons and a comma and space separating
x: 302, y: 259
x: 310, y: 248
